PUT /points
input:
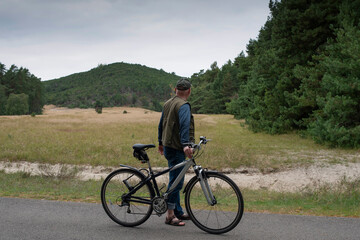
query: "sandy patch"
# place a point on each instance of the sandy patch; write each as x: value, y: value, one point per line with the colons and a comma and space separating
x: 285, y: 181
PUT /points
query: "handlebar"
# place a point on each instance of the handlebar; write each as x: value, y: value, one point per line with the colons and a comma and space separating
x: 197, y: 147
x: 203, y: 140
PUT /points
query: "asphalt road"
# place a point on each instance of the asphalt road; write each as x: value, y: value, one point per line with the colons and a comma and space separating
x: 40, y: 219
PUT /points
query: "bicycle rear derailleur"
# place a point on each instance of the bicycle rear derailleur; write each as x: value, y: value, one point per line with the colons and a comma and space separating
x: 159, y: 205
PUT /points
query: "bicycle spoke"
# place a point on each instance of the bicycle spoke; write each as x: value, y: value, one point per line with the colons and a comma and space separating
x: 222, y: 216
x: 217, y: 219
x: 125, y: 211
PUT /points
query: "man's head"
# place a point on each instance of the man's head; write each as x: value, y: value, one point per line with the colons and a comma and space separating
x: 183, y: 84
x: 183, y: 88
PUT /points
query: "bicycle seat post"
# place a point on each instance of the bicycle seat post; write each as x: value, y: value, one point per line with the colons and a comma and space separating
x: 149, y: 166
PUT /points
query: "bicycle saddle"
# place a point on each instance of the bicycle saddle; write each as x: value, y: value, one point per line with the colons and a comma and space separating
x: 139, y: 146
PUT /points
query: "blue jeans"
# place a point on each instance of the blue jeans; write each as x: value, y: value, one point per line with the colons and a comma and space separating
x: 174, y: 157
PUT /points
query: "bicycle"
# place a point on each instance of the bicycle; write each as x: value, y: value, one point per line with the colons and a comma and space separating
x: 212, y: 200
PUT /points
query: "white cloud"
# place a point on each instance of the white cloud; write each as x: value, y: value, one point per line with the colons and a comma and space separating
x: 57, y: 38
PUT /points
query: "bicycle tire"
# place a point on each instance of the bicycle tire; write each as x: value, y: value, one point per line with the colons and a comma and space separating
x: 123, y: 212
x: 225, y: 214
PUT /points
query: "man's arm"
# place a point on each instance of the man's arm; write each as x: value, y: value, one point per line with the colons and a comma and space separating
x: 161, y: 148
x: 184, y: 120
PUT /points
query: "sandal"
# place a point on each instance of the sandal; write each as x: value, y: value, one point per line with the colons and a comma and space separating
x: 184, y: 217
x: 174, y: 221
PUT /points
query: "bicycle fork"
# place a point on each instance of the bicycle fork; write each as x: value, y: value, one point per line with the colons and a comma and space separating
x: 205, y: 186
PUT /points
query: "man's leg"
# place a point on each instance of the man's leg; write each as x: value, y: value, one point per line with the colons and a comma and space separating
x: 174, y: 157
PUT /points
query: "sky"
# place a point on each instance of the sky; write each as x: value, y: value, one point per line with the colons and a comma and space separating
x: 56, y: 38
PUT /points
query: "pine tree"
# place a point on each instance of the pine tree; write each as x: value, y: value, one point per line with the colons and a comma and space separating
x: 3, y: 100
x: 337, y: 121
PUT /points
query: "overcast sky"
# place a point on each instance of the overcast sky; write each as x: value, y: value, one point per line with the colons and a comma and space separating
x: 55, y: 38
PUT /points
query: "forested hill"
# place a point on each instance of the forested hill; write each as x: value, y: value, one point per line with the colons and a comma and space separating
x: 115, y: 84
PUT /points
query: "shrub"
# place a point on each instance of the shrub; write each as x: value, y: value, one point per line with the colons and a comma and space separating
x: 98, y: 107
x: 17, y: 104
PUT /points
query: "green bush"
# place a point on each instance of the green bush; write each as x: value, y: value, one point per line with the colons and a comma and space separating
x: 17, y: 104
x: 98, y: 107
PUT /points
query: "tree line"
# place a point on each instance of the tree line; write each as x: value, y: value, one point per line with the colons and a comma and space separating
x: 301, y: 74
x: 20, y: 92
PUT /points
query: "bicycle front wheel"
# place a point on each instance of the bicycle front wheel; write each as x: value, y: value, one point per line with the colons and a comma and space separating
x: 128, y: 211
x: 224, y: 214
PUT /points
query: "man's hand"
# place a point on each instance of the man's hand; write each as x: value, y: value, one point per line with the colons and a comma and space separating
x: 161, y: 149
x: 188, y: 151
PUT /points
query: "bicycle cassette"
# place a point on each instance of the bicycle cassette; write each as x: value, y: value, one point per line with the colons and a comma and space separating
x: 159, y: 204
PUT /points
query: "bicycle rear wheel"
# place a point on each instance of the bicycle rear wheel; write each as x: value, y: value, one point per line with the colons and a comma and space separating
x: 133, y: 210
x: 225, y: 214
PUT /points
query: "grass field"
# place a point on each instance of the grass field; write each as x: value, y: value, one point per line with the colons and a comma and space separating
x: 77, y: 136
x: 83, y: 137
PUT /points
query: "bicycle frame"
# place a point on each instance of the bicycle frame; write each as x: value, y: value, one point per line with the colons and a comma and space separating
x: 152, y: 178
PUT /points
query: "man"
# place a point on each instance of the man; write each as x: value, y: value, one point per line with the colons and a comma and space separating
x: 176, y: 130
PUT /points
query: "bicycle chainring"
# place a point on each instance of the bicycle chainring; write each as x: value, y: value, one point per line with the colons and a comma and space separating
x: 159, y: 205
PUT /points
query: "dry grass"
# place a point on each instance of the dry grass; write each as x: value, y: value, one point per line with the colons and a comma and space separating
x: 81, y: 136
